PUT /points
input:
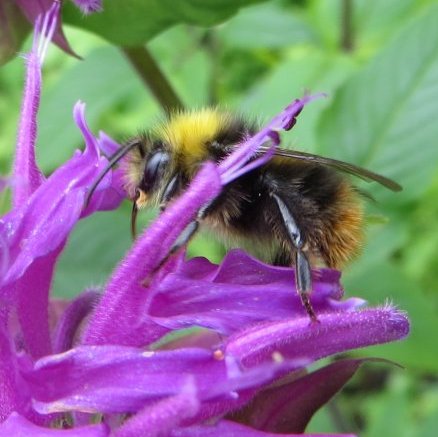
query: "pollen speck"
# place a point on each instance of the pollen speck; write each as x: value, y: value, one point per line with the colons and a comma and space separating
x: 277, y: 357
x: 218, y: 355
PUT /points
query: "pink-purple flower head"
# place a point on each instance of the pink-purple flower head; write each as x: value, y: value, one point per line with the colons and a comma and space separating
x: 105, y: 365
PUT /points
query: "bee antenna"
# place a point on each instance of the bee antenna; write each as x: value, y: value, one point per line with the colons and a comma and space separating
x: 112, y: 161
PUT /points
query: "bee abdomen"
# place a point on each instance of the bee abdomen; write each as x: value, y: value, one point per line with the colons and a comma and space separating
x: 326, y: 208
x: 342, y: 236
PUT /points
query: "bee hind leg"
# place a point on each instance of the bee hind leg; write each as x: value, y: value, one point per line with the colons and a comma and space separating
x: 303, y: 276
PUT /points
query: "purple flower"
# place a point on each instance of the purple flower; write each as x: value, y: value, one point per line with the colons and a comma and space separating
x: 103, y: 364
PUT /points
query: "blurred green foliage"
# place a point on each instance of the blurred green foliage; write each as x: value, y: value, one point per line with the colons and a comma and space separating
x: 378, y: 63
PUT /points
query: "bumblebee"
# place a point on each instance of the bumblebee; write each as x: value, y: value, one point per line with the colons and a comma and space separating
x: 298, y: 209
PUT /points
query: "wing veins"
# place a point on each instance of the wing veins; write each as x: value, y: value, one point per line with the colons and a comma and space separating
x: 342, y: 166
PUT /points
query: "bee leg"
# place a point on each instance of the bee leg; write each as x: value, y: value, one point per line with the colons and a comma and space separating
x: 171, y: 189
x: 182, y: 239
x: 303, y: 270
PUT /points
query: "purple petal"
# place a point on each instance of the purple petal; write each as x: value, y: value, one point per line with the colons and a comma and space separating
x: 35, y: 233
x: 284, y: 408
x: 118, y: 379
x: 335, y: 333
x: 89, y: 6
x: 240, y: 292
x: 289, y: 407
x: 27, y: 175
x: 14, y: 392
x: 124, y: 294
x: 32, y: 9
x: 107, y: 145
x: 160, y: 418
x: 211, y: 410
x: 27, y: 179
x: 72, y: 317
x: 250, y: 166
x: 115, y: 379
x: 91, y: 143
x: 109, y: 193
x: 42, y: 223
x: 4, y: 257
x: 32, y: 294
x: 16, y: 425
x: 232, y: 429
x: 11, y: 395
x: 234, y: 165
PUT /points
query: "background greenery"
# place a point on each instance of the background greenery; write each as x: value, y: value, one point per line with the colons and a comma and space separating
x: 378, y: 63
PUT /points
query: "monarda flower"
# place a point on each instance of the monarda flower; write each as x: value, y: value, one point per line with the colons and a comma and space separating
x: 106, y: 364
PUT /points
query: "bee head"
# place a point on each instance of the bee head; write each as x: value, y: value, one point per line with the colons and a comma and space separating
x: 147, y: 167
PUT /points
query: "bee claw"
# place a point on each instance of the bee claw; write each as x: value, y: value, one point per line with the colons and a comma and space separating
x: 304, y: 296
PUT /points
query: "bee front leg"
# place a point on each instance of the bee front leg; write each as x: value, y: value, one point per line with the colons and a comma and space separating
x: 303, y: 276
x: 183, y: 239
x: 172, y: 188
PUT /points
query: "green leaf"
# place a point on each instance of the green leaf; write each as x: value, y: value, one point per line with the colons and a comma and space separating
x: 429, y: 425
x: 281, y: 28
x: 117, y: 101
x: 186, y: 67
x: 386, y: 282
x: 407, y: 407
x: 95, y: 247
x: 11, y: 79
x: 304, y: 68
x: 135, y: 22
x: 389, y: 411
x: 381, y: 242
x: 101, y: 80
x: 375, y: 19
x: 321, y: 423
x: 384, y: 118
x: 205, y: 245
x: 372, y: 21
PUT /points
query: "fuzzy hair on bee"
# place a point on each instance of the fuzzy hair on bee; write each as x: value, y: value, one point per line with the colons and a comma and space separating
x: 298, y: 209
x: 186, y: 140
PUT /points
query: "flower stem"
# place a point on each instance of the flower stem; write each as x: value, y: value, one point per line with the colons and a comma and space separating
x: 152, y: 76
x: 210, y: 44
x: 347, y: 37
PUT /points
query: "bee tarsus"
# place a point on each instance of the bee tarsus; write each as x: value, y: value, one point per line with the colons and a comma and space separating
x: 171, y: 189
x: 303, y: 274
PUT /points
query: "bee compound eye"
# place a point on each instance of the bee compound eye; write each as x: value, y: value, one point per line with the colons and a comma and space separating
x: 154, y: 169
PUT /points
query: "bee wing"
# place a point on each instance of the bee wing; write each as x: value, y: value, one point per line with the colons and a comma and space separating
x: 338, y: 165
